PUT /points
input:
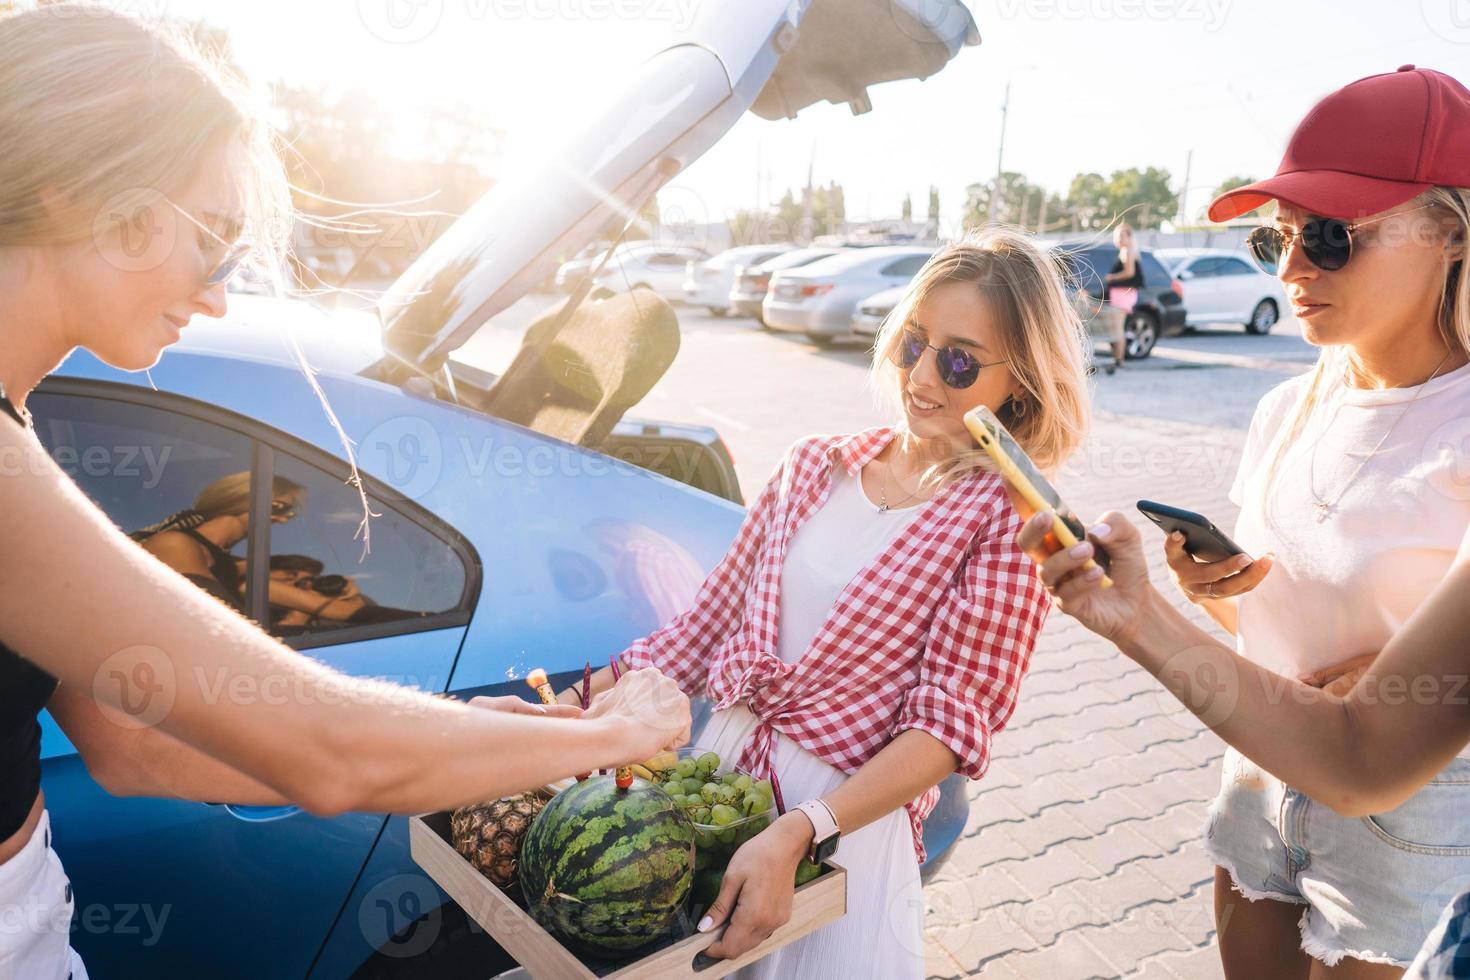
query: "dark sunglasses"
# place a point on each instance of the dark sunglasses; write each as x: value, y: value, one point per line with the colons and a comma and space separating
x: 1326, y: 242
x: 283, y: 508
x: 958, y: 368
x: 235, y: 256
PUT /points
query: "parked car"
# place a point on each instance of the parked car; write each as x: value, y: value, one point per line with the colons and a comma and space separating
x: 1226, y: 287
x: 1160, y: 311
x: 819, y: 299
x: 871, y: 312
x: 505, y: 547
x: 579, y: 264
x: 709, y: 283
x: 748, y: 292
x: 660, y: 269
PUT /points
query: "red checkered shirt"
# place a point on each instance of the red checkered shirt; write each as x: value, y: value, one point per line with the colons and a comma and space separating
x: 934, y: 635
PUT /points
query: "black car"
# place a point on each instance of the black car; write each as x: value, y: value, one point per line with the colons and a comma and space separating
x: 1160, y: 309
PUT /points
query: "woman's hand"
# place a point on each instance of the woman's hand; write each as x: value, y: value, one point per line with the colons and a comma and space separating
x: 1340, y: 678
x: 1213, y: 579
x: 649, y: 711
x: 519, y: 706
x: 1115, y: 613
x: 758, y: 887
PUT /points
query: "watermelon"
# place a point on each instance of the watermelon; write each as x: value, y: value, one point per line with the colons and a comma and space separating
x: 607, y: 870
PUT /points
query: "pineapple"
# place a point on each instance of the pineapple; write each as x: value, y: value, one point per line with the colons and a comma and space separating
x: 489, y: 835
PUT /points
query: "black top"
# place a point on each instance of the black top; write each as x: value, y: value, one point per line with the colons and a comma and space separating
x: 1134, y: 281
x: 223, y: 581
x: 24, y: 691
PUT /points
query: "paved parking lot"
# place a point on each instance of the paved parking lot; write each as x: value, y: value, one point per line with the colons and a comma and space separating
x: 1082, y: 857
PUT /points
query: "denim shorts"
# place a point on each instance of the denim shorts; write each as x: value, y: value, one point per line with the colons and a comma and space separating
x: 1372, y: 887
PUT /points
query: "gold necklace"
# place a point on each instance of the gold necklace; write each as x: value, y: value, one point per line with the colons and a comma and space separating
x: 1324, y: 507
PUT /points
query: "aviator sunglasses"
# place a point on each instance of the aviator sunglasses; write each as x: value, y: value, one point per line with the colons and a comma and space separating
x: 1326, y: 242
x: 958, y: 368
x: 235, y: 255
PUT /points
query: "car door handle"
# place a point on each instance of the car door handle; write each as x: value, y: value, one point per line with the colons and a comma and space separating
x: 261, y: 814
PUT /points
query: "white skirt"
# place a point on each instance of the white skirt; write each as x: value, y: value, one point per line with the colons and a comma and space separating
x: 882, y: 934
x: 36, y: 913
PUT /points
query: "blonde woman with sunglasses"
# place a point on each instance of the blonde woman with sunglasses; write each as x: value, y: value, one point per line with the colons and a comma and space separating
x: 131, y: 166
x: 867, y: 632
x: 1342, y: 827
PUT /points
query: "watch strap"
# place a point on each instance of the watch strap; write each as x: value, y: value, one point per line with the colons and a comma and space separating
x: 824, y: 823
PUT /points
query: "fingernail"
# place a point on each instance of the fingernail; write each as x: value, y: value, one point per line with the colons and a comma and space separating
x: 1101, y: 530
x: 1176, y: 535
x: 1093, y: 574
x: 1241, y: 561
x: 705, y: 923
x: 1080, y: 550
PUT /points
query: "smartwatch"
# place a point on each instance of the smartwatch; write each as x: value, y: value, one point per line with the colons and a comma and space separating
x: 825, y: 830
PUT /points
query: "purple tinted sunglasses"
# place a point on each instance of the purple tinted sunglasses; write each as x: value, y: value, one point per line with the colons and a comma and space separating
x: 958, y: 368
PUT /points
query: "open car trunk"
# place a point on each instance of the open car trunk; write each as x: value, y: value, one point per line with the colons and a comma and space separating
x: 774, y: 57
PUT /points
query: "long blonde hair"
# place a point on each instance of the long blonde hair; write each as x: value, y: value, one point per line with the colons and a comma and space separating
x: 101, y: 113
x: 1453, y: 319
x: 1040, y: 335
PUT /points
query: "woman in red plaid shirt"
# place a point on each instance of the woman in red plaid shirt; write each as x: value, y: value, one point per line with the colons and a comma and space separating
x: 866, y: 634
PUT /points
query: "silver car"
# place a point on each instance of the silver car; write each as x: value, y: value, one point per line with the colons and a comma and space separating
x: 819, y: 299
x: 753, y: 281
x: 871, y: 312
x: 1226, y: 287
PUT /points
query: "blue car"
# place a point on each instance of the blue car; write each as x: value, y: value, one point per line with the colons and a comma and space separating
x: 519, y: 520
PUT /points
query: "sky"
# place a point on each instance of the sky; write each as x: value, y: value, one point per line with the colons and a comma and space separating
x: 1095, y: 85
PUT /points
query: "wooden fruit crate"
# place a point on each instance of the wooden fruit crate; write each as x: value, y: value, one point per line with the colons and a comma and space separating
x: 818, y: 902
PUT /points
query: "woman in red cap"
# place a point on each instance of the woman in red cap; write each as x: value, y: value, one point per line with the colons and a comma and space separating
x: 1342, y: 827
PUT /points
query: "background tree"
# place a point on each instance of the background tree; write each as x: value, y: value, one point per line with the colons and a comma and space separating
x: 908, y: 208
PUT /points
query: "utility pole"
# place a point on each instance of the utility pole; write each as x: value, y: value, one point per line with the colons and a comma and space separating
x: 1000, y: 153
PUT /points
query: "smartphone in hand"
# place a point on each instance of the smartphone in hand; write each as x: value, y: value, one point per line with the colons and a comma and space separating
x: 1202, y: 539
x: 1029, y: 486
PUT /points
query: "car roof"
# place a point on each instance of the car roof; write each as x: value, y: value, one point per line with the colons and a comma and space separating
x: 263, y: 328
x: 853, y: 258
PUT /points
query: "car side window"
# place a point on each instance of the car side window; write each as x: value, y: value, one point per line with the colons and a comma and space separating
x: 178, y: 485
x: 1235, y: 267
x: 1205, y: 268
x: 1154, y: 272
x: 321, y: 580
x: 907, y: 266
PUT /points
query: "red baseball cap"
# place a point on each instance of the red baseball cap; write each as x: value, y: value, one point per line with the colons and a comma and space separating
x: 1371, y: 145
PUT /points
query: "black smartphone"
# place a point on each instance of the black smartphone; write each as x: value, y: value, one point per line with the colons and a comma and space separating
x: 1202, y: 539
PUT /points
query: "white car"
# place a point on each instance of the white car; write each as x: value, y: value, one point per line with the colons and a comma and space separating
x: 820, y: 299
x: 660, y: 269
x: 708, y: 283
x: 871, y: 312
x: 1225, y: 287
x: 748, y: 291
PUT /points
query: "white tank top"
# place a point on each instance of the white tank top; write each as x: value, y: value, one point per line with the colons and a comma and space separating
x: 843, y: 537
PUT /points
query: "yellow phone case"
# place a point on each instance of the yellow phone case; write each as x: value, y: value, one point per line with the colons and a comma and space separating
x: 1018, y: 480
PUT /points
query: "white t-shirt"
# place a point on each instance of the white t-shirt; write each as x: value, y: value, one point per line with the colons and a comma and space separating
x: 1344, y: 585
x: 843, y: 537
